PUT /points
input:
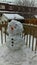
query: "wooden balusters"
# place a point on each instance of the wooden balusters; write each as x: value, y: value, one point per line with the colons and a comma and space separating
x: 1, y: 33
x: 31, y: 30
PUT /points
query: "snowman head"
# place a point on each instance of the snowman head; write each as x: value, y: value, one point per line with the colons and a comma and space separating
x: 15, y: 27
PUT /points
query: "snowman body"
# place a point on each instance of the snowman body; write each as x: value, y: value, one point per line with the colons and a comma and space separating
x: 14, y: 40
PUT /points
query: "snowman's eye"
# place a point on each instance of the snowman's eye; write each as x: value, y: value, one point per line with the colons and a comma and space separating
x: 9, y: 25
x: 16, y: 25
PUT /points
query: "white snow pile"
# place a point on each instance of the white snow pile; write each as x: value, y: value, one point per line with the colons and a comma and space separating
x: 15, y: 29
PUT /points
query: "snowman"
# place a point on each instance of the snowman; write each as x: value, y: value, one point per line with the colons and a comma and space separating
x: 14, y: 40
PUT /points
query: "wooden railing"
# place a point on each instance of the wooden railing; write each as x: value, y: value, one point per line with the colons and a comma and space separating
x: 31, y: 21
x: 30, y: 28
x: 3, y: 25
x: 18, y: 8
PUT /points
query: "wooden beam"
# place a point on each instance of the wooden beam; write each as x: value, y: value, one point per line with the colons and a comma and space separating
x: 9, y: 8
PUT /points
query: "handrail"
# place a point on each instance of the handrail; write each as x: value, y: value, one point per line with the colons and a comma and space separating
x: 29, y: 25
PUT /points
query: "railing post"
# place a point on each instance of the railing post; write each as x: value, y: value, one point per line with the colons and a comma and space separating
x: 26, y: 40
x: 1, y: 35
x: 33, y: 32
x: 29, y: 40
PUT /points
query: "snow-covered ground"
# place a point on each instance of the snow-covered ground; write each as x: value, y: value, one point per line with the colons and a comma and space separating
x: 24, y: 56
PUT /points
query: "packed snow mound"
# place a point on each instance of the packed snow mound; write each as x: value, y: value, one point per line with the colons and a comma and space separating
x: 15, y: 41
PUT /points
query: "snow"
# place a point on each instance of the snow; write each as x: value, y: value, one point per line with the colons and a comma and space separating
x: 18, y: 28
x: 15, y: 29
x: 24, y: 56
x: 6, y: 17
x: 35, y: 16
x: 13, y: 16
x: 11, y: 3
x: 21, y: 56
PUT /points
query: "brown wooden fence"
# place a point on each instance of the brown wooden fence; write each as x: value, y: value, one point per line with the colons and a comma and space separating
x: 30, y: 28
